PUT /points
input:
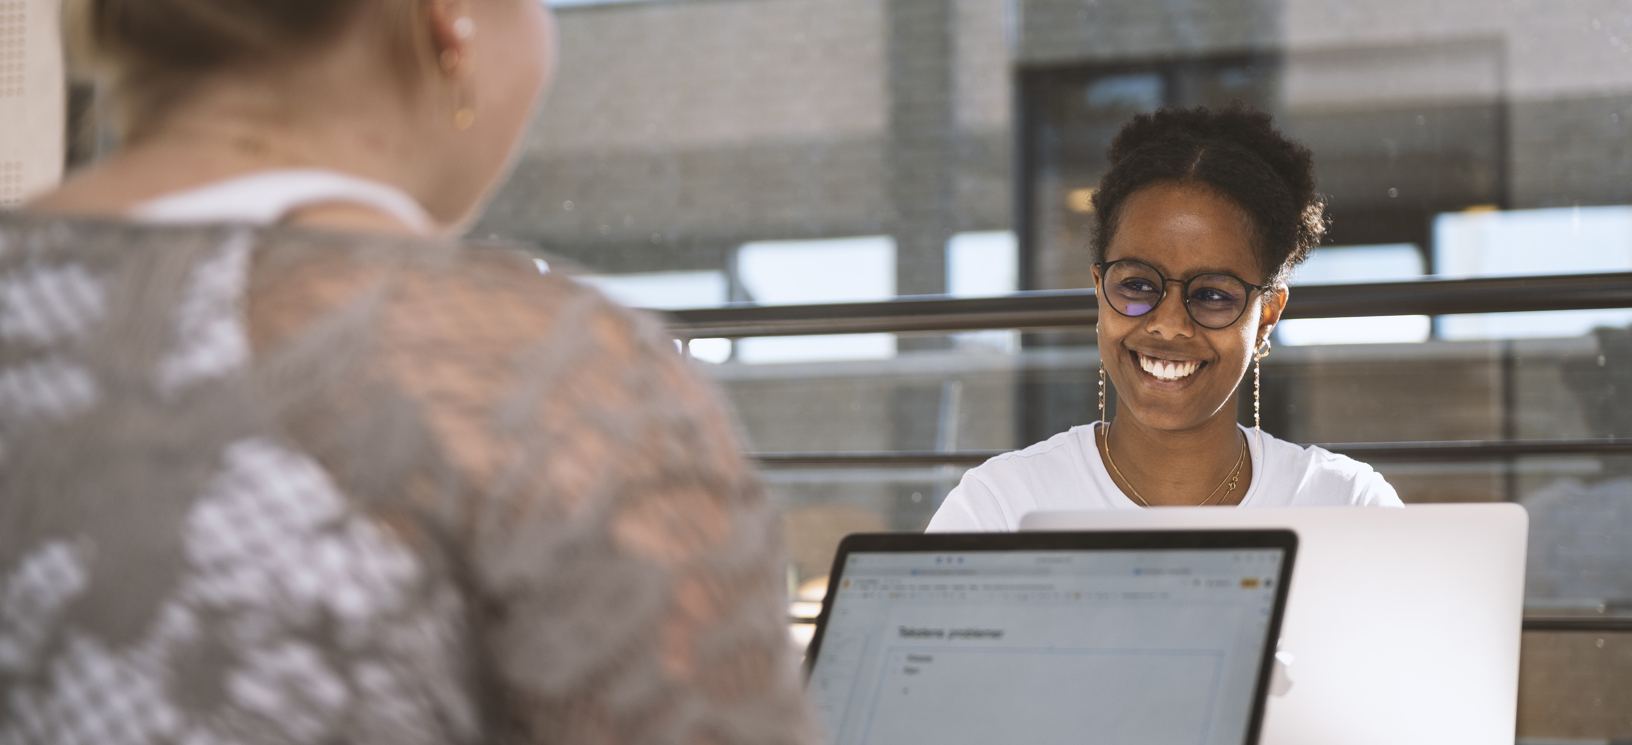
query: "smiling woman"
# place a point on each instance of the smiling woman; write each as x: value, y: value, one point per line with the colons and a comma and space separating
x: 1201, y: 218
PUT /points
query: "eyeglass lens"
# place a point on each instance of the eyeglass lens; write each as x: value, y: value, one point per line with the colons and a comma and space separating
x: 1134, y: 288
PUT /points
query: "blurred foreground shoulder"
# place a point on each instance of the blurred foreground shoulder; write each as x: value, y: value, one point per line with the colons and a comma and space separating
x: 627, y: 564
x: 656, y: 608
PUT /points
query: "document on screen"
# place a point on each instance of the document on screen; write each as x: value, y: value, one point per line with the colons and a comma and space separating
x: 1128, y: 647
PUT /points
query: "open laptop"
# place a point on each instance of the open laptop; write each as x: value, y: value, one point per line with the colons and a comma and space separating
x: 1403, y: 624
x: 1145, y: 638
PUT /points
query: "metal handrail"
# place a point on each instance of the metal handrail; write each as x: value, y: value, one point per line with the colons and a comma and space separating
x: 1589, y: 624
x: 1568, y: 624
x: 1077, y: 308
x: 1450, y: 450
x: 1480, y: 449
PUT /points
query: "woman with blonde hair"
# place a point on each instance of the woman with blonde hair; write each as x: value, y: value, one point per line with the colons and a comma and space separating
x: 282, y: 461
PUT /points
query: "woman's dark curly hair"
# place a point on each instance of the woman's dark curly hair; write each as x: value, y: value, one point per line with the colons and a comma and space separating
x: 1236, y: 152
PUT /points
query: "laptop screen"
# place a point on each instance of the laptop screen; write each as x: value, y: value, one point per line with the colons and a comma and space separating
x: 1112, y: 645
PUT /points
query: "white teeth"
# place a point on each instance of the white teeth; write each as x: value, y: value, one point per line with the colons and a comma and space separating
x: 1167, y: 369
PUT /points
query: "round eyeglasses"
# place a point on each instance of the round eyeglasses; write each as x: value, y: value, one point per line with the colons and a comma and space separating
x: 1134, y: 288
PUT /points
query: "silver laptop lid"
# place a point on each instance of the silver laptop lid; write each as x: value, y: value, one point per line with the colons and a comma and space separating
x: 1403, y: 625
x: 1150, y: 637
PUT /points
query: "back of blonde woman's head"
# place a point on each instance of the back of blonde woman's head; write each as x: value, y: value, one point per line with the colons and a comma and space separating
x: 151, y: 52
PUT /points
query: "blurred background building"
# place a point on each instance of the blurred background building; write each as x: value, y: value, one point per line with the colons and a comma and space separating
x: 701, y: 153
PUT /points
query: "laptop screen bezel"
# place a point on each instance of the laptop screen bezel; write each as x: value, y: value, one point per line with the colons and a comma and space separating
x: 1119, y: 540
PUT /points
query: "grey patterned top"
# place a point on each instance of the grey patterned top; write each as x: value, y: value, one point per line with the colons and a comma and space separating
x: 279, y: 486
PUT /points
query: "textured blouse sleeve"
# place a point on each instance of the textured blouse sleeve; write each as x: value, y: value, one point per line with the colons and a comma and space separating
x: 625, y: 571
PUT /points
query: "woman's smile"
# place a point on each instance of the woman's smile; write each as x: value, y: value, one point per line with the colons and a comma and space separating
x: 1165, y: 368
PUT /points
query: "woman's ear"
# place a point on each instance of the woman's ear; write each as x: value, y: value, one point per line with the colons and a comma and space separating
x: 1274, y: 304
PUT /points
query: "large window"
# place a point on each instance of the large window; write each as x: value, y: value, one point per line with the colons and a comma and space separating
x: 795, y: 164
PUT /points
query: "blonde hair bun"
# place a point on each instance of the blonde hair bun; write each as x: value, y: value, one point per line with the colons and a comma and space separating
x: 148, y: 52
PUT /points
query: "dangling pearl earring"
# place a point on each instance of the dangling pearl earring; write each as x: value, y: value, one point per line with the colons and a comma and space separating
x: 1258, y: 383
x: 465, y: 115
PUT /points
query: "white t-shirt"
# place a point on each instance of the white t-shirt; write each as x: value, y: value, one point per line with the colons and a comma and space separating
x: 1065, y: 472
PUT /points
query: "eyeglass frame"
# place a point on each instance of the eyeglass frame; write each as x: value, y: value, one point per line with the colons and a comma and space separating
x: 1251, y: 288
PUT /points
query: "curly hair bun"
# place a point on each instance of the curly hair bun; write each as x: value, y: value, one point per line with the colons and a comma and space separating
x: 1236, y: 152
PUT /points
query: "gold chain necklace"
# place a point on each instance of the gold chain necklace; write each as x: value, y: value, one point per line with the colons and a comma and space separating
x: 1232, y: 479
